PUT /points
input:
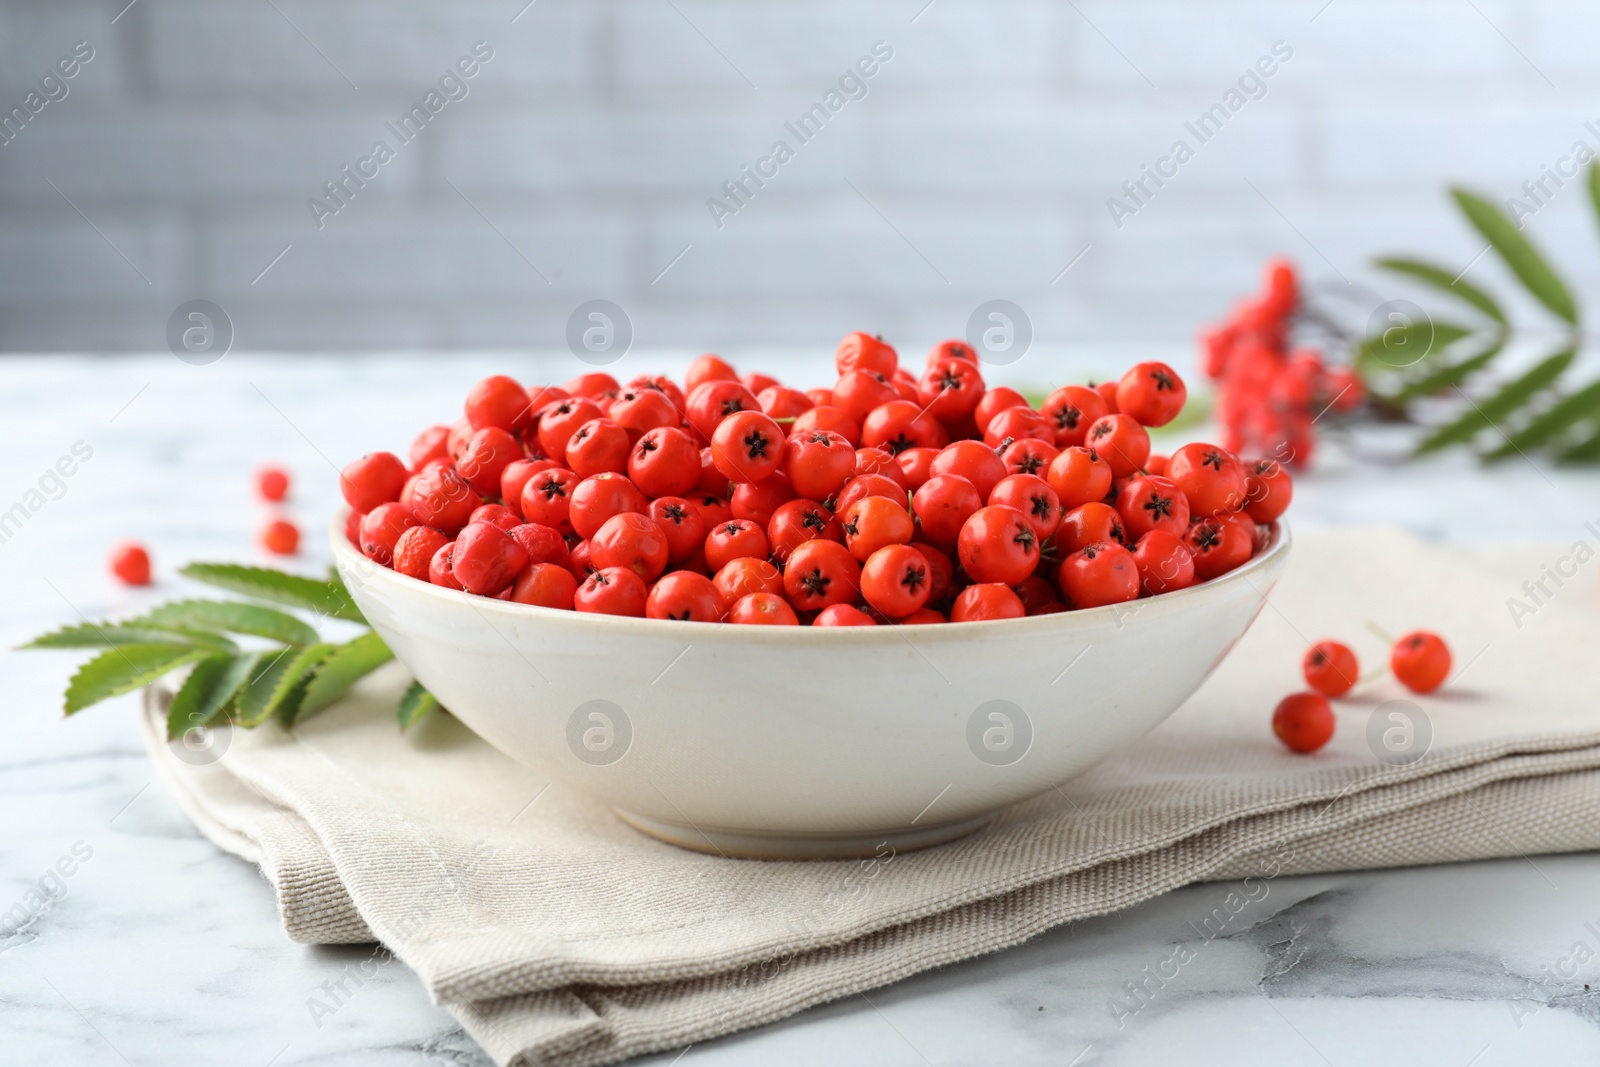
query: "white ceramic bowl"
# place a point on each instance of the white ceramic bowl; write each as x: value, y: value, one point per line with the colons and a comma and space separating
x: 805, y: 742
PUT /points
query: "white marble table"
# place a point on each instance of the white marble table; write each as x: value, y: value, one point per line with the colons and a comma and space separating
x: 158, y: 948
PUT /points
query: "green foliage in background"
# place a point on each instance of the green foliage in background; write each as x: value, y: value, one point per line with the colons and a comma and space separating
x: 1540, y: 410
x: 299, y: 676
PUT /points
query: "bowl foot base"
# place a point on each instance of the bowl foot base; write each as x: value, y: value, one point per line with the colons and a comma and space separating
x: 759, y: 845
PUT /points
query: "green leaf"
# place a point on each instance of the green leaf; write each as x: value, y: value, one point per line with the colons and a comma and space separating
x: 1585, y: 451
x: 1519, y: 254
x: 416, y: 703
x: 291, y: 688
x: 112, y: 635
x: 280, y: 587
x: 1559, y: 417
x: 124, y: 669
x: 1594, y: 187
x: 1490, y: 411
x: 255, y: 699
x: 209, y: 687
x: 1447, y: 376
x: 233, y: 617
x: 348, y: 664
x: 1446, y: 281
x: 1407, y: 345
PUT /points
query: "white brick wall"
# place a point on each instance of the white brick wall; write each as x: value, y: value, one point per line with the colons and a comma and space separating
x: 990, y: 143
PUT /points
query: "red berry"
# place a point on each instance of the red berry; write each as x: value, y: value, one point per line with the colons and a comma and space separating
x: 547, y: 498
x: 986, y: 600
x: 1330, y: 668
x: 639, y: 411
x: 998, y: 544
x: 995, y: 401
x: 762, y: 609
x: 729, y: 540
x: 1121, y: 441
x: 818, y: 463
x: 827, y: 417
x: 783, y: 403
x: 1028, y: 455
x: 1268, y: 490
x: 1149, y: 502
x: 975, y: 461
x: 797, y: 522
x: 486, y: 559
x: 902, y: 424
x: 441, y: 498
x: 1218, y: 545
x: 747, y: 446
x: 272, y: 483
x: 432, y: 443
x: 685, y: 597
x: 1079, y: 476
x: 1088, y: 523
x: 374, y: 479
x: 894, y: 580
x: 1421, y: 661
x: 858, y: 392
x: 1072, y: 409
x: 632, y: 541
x: 714, y: 401
x: 1099, y: 574
x: 942, y: 506
x: 1032, y: 496
x: 665, y: 462
x: 500, y: 402
x: 1152, y: 393
x: 515, y: 477
x: 545, y: 585
x: 1303, y: 721
x: 282, y: 537
x: 874, y: 522
x: 612, y: 591
x: 738, y: 578
x: 1164, y: 561
x: 820, y: 574
x: 380, y: 531
x: 560, y: 419
x: 440, y: 570
x: 130, y: 563
x: 682, y: 522
x: 598, y: 446
x: 595, y: 385
x: 843, y: 615
x: 496, y: 515
x: 596, y: 499
x: 415, y: 550
x: 542, y: 543
x: 950, y: 389
x: 708, y: 368
x: 865, y: 485
x: 1211, y: 477
x: 759, y: 501
x: 865, y: 352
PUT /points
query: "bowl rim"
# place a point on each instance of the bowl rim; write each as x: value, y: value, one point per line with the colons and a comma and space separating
x: 1277, y: 546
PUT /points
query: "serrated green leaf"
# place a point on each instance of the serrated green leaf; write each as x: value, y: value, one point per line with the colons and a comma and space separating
x: 1519, y: 254
x: 349, y: 663
x: 1451, y: 375
x: 1564, y: 414
x: 1399, y: 347
x: 291, y: 688
x: 124, y: 669
x: 416, y: 703
x: 233, y: 617
x: 255, y: 696
x: 210, y: 685
x: 1445, y: 281
x: 111, y: 635
x: 1491, y: 410
x: 280, y: 587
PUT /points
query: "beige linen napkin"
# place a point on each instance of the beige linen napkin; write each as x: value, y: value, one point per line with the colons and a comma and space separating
x: 556, y: 934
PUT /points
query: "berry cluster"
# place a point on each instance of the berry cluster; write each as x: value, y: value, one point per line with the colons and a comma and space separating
x: 1270, y: 396
x: 886, y: 498
x: 1420, y: 661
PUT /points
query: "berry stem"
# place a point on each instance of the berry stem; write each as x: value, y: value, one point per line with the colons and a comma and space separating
x: 1383, y: 634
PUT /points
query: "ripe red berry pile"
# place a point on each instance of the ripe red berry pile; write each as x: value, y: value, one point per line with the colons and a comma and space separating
x: 1269, y: 397
x: 886, y: 498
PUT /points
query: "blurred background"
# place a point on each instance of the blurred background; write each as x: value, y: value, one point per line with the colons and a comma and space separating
x: 979, y: 161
